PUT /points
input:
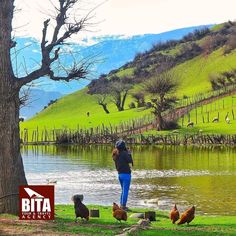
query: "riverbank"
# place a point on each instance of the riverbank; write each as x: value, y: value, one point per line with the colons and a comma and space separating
x: 175, y: 138
x: 106, y: 225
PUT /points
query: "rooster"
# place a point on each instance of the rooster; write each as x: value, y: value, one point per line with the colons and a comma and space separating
x: 187, y: 216
x: 80, y: 209
x: 118, y: 213
x: 174, y: 214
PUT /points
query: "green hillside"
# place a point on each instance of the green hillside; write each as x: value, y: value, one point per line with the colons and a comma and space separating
x: 203, y: 117
x: 71, y: 111
x: 194, y: 73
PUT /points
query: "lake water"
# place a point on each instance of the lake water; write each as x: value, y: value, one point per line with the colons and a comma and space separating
x: 162, y: 176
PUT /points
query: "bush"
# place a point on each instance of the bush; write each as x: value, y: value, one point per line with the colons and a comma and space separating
x: 132, y: 105
x: 169, y: 125
x: 148, y: 104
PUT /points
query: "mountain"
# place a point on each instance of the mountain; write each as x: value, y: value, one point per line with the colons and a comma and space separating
x: 108, y: 53
x: 38, y: 99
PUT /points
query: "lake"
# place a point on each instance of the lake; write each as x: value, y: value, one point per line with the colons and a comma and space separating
x: 162, y: 175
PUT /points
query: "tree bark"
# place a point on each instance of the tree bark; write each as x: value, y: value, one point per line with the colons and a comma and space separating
x: 104, y: 106
x: 11, y: 167
x: 160, y: 122
x: 123, y: 101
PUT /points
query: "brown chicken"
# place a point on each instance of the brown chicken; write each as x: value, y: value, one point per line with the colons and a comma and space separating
x: 174, y: 214
x: 80, y: 209
x: 118, y: 213
x: 187, y: 216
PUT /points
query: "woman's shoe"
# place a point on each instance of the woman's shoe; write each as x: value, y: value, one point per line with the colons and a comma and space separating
x: 125, y: 208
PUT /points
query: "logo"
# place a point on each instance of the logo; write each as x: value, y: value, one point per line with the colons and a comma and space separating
x: 36, y: 202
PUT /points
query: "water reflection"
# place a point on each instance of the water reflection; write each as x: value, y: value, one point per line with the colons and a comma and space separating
x: 162, y: 175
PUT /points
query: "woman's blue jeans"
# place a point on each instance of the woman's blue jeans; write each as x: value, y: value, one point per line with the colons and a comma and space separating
x: 125, y: 180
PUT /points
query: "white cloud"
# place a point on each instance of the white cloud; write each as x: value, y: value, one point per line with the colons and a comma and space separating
x: 129, y: 17
x: 27, y: 44
x: 35, y: 51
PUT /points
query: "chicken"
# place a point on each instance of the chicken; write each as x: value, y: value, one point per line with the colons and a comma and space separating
x: 80, y: 209
x: 174, y: 214
x: 227, y: 120
x: 187, y: 216
x: 118, y: 213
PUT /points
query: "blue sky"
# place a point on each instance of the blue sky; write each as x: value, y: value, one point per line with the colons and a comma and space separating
x: 127, y: 17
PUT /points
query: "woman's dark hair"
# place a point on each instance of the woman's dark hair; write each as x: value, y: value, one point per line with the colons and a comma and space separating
x: 120, y: 145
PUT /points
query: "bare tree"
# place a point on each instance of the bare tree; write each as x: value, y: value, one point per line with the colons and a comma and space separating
x: 11, y: 167
x: 139, y: 98
x: 101, y: 99
x: 161, y: 89
x: 100, y: 88
x: 119, y: 91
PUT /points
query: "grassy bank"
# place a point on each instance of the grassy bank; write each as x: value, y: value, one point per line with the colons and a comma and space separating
x: 107, y: 225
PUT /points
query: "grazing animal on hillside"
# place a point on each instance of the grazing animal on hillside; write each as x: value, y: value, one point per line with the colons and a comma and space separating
x: 227, y: 118
x: 187, y: 216
x: 215, y: 120
x: 190, y: 124
x: 174, y: 214
x: 119, y: 213
x: 21, y: 119
x: 80, y: 209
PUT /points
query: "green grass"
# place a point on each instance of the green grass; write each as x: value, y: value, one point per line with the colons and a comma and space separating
x: 70, y: 111
x: 217, y: 27
x: 107, y: 225
x: 194, y: 73
x: 221, y: 106
x: 125, y: 72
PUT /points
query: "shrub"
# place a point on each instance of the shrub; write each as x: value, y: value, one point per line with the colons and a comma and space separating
x: 132, y: 105
x: 148, y: 104
x: 169, y: 125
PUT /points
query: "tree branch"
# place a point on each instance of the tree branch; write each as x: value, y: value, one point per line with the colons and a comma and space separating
x: 48, y: 56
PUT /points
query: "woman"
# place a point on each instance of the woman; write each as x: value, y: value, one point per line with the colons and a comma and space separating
x: 123, y: 160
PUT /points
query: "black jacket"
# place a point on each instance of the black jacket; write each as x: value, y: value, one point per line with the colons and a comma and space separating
x: 122, y: 162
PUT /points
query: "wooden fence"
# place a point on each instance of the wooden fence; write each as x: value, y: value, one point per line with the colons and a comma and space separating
x: 68, y: 137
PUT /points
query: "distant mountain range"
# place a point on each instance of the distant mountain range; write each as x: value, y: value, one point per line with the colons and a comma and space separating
x: 38, y: 99
x: 108, y: 53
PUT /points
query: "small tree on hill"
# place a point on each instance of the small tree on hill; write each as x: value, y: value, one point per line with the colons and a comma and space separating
x: 230, y: 44
x: 139, y: 98
x: 100, y: 88
x: 119, y: 88
x: 161, y: 88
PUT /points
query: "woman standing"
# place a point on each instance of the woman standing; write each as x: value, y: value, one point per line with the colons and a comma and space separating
x: 123, y: 160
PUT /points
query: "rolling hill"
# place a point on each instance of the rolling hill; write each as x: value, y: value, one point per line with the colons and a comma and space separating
x: 109, y: 52
x: 193, y: 71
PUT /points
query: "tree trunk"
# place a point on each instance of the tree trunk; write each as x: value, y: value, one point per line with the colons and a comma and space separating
x: 123, y: 101
x: 11, y: 167
x: 119, y: 107
x: 160, y: 122
x: 104, y: 106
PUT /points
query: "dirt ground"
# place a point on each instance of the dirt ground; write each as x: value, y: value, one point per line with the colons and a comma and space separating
x: 22, y: 228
